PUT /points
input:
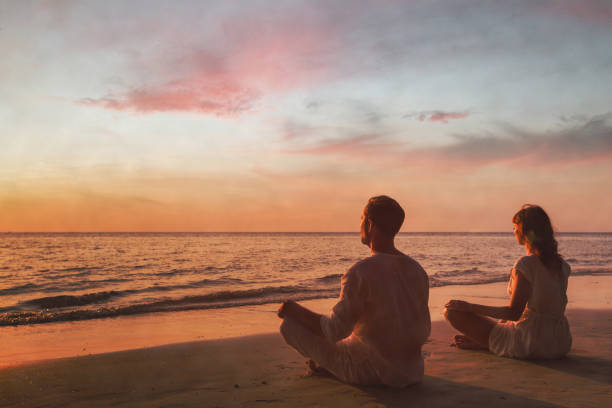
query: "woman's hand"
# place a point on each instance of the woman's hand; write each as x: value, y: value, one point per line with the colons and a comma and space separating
x: 458, y: 305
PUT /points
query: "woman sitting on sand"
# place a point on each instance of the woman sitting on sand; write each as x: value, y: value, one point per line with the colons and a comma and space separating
x: 534, y: 325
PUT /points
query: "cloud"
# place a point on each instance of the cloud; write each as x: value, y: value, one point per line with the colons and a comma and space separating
x: 220, y: 99
x: 437, y: 116
x: 245, y: 57
x: 299, y: 46
x: 357, y: 145
x: 595, y: 11
x: 589, y: 140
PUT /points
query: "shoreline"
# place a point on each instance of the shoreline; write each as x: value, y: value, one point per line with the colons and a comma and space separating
x: 35, y: 343
x: 47, y: 314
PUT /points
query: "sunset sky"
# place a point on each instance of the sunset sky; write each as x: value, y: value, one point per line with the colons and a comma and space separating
x: 288, y: 115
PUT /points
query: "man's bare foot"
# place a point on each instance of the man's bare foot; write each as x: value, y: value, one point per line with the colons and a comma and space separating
x: 316, y: 369
x: 466, y: 343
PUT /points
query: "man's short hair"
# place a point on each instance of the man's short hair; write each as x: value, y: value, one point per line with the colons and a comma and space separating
x: 386, y: 214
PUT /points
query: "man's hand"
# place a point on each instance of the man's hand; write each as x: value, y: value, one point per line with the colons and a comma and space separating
x: 286, y: 308
x: 459, y: 305
x: 301, y: 315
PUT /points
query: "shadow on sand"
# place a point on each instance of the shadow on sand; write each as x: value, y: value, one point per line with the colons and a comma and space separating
x: 438, y: 392
x: 590, y: 354
x: 593, y: 368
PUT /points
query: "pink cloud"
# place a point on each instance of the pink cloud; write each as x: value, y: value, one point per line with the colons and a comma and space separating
x: 223, y: 100
x: 444, y: 117
x: 249, y: 56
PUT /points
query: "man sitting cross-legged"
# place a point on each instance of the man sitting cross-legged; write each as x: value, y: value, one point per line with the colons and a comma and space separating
x: 375, y: 332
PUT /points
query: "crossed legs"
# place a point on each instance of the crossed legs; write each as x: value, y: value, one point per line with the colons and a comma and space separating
x: 475, y: 329
x: 328, y: 357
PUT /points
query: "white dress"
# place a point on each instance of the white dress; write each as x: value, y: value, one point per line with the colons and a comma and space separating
x: 543, y: 330
x: 375, y: 332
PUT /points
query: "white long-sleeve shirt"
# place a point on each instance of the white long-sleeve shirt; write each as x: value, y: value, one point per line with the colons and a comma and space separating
x: 383, y: 316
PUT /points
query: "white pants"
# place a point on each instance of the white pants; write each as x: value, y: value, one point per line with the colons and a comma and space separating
x: 345, y: 359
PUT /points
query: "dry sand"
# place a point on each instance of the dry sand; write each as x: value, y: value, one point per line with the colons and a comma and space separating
x: 259, y: 370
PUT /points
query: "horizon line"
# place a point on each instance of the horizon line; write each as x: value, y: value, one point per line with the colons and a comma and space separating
x: 282, y: 232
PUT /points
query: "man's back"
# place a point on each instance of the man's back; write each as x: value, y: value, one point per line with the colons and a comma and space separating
x: 375, y: 332
x: 383, y: 314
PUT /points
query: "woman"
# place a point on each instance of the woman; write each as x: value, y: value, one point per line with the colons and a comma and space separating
x: 534, y: 324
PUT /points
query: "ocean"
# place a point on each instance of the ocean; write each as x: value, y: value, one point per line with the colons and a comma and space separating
x: 50, y: 277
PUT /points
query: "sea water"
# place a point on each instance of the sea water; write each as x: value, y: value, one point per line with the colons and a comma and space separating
x: 47, y: 277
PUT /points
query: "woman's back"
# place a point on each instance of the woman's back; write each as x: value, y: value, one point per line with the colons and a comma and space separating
x: 548, y: 288
x: 543, y: 330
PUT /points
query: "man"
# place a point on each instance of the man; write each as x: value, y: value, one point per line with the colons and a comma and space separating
x: 375, y: 332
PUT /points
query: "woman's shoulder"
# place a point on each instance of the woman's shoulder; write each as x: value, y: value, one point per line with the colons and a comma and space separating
x: 526, y: 265
x: 527, y: 261
x: 529, y: 264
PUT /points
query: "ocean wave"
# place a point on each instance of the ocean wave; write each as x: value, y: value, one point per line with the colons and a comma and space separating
x: 59, y: 301
x: 63, y: 276
x: 214, y: 300
x: 193, y: 285
x: 222, y: 299
x: 457, y: 272
x: 184, y: 271
x: 173, y: 272
x: 79, y: 269
x: 232, y: 295
x: 65, y: 286
x: 53, y: 302
x: 434, y: 283
x: 15, y: 290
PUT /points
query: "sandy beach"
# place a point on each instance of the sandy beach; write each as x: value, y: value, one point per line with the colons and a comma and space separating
x: 240, y: 360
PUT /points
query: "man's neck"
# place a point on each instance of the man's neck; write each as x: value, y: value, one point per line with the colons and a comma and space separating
x: 385, y: 247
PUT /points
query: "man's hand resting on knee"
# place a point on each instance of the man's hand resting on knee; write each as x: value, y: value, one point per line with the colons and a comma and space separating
x: 307, y: 318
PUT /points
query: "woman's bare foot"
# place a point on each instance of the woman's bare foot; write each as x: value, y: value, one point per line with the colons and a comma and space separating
x: 466, y: 343
x: 315, y: 369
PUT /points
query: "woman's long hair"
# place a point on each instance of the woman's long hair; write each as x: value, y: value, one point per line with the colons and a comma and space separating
x: 537, y: 230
